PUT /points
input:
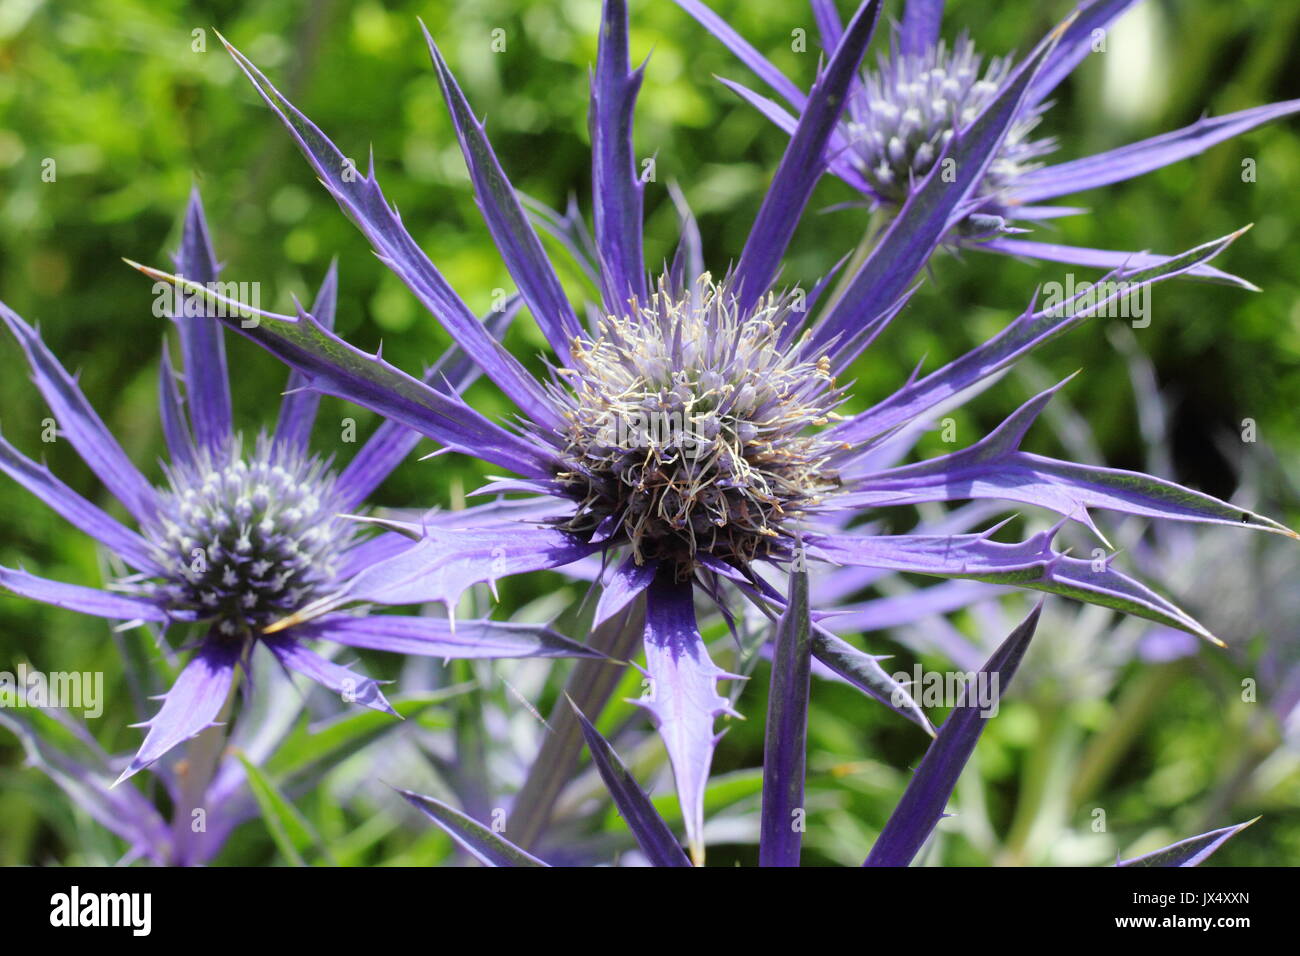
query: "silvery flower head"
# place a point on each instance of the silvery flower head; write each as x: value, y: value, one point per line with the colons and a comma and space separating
x: 907, y: 112
x: 242, y: 535
x: 691, y: 434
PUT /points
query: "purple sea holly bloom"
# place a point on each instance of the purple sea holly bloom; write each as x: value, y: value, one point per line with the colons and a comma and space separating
x: 691, y: 428
x: 239, y: 537
x: 903, y: 115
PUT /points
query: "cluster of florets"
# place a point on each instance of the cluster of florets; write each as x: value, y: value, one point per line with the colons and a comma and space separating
x: 246, y: 541
x: 694, y: 428
x: 903, y: 114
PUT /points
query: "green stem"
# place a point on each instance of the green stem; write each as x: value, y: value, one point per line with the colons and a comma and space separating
x: 1040, y: 794
x: 1261, y: 740
x: 590, y: 686
x: 1131, y: 714
x: 472, y: 777
x: 876, y: 225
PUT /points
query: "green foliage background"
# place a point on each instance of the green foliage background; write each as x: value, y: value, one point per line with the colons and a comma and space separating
x: 116, y: 94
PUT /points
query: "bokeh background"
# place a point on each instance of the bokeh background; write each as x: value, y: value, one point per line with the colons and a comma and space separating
x: 136, y: 101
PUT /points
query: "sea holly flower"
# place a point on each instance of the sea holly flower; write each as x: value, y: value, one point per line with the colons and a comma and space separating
x: 239, y: 537
x: 905, y: 113
x: 690, y: 435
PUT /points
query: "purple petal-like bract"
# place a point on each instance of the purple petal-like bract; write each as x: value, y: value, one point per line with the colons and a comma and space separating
x: 76, y: 597
x: 80, y: 424
x: 482, y: 843
x: 650, y: 829
x: 792, y: 184
x: 514, y: 235
x: 1190, y: 852
x: 203, y: 346
x: 193, y: 703
x: 683, y: 696
x: 618, y: 190
x: 920, y: 27
x: 923, y: 802
x: 786, y: 735
x: 439, y: 637
x: 61, y: 499
x: 353, y: 687
x: 1145, y: 156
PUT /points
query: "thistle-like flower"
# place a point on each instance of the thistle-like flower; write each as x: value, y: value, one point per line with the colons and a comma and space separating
x: 694, y: 431
x: 237, y: 541
x: 904, y: 113
x: 245, y: 540
x: 753, y: 470
x: 908, y: 109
